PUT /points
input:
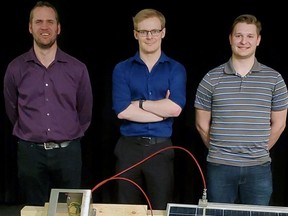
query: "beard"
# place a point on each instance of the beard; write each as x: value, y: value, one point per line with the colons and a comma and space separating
x: 46, y: 45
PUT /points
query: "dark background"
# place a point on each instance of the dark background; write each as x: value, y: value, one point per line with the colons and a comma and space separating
x: 100, y: 34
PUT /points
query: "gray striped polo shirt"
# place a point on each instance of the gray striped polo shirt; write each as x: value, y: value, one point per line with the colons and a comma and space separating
x: 241, y: 108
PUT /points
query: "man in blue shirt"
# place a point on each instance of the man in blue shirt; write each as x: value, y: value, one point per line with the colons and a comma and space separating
x: 48, y: 99
x: 149, y: 90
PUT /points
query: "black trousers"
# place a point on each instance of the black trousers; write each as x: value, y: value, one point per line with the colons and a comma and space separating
x: 39, y: 170
x: 155, y: 176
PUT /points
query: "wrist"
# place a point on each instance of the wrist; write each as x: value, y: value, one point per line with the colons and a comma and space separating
x: 141, y: 104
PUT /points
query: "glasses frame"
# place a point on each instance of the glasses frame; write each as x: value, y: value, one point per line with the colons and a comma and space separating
x: 153, y: 32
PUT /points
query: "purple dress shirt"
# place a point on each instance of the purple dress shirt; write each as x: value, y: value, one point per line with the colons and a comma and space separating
x: 48, y: 104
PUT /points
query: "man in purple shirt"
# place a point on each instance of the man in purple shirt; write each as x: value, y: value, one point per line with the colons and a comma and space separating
x: 48, y: 99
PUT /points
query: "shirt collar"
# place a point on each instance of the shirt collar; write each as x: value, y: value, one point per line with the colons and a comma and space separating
x: 229, y: 69
x: 60, y: 56
x: 162, y: 58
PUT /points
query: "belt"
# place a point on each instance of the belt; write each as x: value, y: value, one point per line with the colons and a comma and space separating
x: 54, y: 145
x: 147, y: 141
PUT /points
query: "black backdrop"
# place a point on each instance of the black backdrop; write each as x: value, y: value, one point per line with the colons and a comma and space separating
x: 101, y: 35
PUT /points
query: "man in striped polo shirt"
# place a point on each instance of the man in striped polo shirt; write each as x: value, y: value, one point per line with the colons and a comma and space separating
x: 241, y: 109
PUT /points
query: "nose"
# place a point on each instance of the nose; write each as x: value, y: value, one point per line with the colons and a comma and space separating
x: 243, y: 40
x: 149, y: 34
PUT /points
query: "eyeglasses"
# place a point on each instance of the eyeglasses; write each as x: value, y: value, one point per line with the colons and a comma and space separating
x: 153, y: 32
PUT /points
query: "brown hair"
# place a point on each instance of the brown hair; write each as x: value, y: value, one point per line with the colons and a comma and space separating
x: 44, y: 4
x: 249, y: 19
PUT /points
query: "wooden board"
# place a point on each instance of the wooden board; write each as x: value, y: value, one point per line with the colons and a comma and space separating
x: 101, y: 210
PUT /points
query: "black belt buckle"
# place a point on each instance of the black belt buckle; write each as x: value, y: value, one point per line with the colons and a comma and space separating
x: 147, y: 141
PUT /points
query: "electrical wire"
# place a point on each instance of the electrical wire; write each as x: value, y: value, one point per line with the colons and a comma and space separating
x: 142, y: 161
x: 129, y: 180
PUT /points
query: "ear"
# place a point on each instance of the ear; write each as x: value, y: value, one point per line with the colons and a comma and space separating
x: 258, y: 40
x: 230, y: 38
x: 30, y: 28
x: 135, y: 34
x: 59, y: 29
x: 163, y: 32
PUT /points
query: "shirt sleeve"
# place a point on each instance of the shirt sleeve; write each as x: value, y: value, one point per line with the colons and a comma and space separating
x: 10, y: 94
x: 280, y: 98
x: 121, y: 95
x: 85, y: 100
x: 178, y: 85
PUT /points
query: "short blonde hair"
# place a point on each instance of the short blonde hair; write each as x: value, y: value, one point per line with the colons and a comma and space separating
x: 148, y: 13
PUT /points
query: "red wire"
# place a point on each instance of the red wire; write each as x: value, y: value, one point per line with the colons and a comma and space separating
x: 152, y: 155
x: 129, y: 180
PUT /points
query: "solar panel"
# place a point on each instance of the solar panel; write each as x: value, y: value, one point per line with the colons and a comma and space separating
x: 224, y: 209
